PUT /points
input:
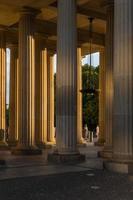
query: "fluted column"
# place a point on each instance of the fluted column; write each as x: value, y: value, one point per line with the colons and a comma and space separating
x: 13, y: 118
x: 123, y: 84
x: 66, y: 82
x: 26, y: 108
x: 2, y: 86
x: 50, y: 111
x: 41, y: 93
x: 123, y: 87
x: 107, y: 152
x: 101, y: 136
x: 79, y: 98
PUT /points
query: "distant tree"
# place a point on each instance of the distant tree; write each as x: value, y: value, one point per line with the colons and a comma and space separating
x: 55, y: 99
x: 90, y: 78
x: 7, y: 117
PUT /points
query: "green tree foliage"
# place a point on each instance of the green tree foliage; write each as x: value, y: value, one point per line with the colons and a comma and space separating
x: 7, y: 117
x: 90, y: 78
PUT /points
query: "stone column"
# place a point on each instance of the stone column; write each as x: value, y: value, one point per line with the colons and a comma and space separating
x: 107, y: 152
x: 80, y: 140
x: 50, y: 111
x: 26, y: 92
x: 13, y: 118
x: 41, y: 93
x: 66, y: 84
x: 123, y: 88
x: 101, y: 136
x: 2, y: 87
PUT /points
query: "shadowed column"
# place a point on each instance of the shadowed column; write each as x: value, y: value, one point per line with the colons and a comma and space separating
x: 101, y: 136
x: 66, y: 84
x: 107, y: 151
x: 122, y: 160
x: 3, y: 144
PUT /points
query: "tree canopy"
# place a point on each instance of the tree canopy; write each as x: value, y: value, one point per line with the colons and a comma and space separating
x: 90, y: 79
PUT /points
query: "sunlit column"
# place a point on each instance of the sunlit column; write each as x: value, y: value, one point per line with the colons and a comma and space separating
x: 26, y: 108
x: 101, y: 137
x: 50, y: 111
x: 66, y: 83
x: 13, y: 118
x: 2, y: 87
x: 79, y: 98
x: 41, y: 93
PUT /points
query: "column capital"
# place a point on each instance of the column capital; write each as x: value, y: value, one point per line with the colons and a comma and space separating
x: 50, y: 52
x: 29, y: 11
x: 108, y: 3
x: 41, y: 40
x: 13, y: 45
x: 2, y: 27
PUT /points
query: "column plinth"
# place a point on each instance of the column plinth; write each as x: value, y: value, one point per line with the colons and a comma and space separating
x: 122, y: 159
x: 66, y: 85
x: 26, y: 87
x: 3, y: 143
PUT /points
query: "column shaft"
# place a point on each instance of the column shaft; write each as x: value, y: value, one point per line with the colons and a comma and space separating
x: 122, y: 160
x: 2, y: 87
x: 13, y: 119
x: 79, y: 98
x: 101, y: 139
x: 26, y: 92
x: 41, y: 93
x: 50, y: 72
x: 109, y: 80
x: 123, y: 81
x: 66, y: 82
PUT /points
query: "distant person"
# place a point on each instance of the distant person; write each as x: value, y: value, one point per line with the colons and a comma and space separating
x: 86, y: 132
x: 97, y: 131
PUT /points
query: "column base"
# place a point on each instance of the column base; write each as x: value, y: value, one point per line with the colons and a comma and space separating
x: 26, y: 151
x: 81, y: 143
x: 66, y: 158
x: 100, y: 142
x: 2, y: 162
x: 47, y: 145
x: 106, y: 153
x: 50, y: 145
x: 119, y: 166
x: 3, y: 145
x: 41, y: 145
x: 12, y: 143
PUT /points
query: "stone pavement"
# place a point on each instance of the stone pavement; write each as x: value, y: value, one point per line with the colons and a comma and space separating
x: 23, y: 166
x: 85, y: 185
x: 33, y: 178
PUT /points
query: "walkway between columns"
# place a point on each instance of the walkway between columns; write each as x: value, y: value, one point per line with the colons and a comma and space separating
x: 24, y: 166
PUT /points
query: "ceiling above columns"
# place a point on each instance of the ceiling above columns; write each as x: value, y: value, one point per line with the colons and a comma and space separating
x: 46, y: 23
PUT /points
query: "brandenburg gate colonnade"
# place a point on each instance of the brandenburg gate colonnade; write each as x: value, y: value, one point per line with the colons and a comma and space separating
x: 31, y: 100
